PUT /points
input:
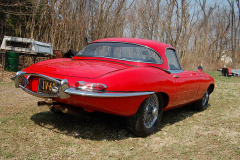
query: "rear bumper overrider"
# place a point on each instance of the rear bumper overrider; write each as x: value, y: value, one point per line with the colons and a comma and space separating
x: 65, y: 90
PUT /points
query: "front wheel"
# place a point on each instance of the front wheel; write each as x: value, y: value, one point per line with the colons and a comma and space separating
x: 202, y: 103
x: 147, y: 119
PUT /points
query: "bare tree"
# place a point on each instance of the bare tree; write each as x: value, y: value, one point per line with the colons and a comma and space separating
x: 200, y: 32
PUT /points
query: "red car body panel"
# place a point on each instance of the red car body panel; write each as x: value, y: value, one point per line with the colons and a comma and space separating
x: 83, y: 69
x: 122, y: 76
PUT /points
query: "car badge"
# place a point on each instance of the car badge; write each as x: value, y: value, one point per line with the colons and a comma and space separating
x: 25, y: 82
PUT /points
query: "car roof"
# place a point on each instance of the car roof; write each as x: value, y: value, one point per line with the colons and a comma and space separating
x: 157, y: 46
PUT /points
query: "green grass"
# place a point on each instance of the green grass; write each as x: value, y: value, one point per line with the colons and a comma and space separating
x: 31, y: 132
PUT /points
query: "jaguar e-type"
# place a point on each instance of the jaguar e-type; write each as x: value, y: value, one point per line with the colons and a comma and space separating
x: 134, y: 78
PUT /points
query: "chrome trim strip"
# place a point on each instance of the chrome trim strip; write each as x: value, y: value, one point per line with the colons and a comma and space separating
x: 104, y: 95
x: 20, y: 73
x: 176, y: 71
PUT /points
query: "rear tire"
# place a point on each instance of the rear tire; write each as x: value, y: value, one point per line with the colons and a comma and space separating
x: 148, y: 117
x: 202, y: 104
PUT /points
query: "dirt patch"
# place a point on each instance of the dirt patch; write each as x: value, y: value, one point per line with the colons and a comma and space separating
x: 6, y: 76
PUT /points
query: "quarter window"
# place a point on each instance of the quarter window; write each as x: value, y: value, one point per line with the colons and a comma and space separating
x: 173, y: 60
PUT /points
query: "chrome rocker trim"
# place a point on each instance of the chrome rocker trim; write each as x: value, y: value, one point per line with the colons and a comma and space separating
x: 65, y: 91
x: 104, y: 95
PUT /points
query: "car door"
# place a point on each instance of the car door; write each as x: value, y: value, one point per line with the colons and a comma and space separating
x: 187, y: 82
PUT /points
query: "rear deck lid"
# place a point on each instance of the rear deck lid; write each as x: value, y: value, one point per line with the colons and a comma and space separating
x: 77, y: 68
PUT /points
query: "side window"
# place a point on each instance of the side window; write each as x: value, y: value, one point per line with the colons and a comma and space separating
x: 103, y: 51
x: 173, y: 60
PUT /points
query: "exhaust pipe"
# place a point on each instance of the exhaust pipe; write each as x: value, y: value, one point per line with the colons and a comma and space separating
x: 65, y: 110
x: 53, y: 106
x: 60, y: 108
x: 40, y: 103
x: 47, y: 102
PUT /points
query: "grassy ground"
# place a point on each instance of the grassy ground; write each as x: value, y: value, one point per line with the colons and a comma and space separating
x: 31, y: 132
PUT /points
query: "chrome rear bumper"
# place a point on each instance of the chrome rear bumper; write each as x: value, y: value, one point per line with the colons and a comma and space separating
x: 65, y: 90
x: 63, y: 84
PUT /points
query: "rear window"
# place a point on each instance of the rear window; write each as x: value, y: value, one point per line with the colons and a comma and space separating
x: 123, y: 51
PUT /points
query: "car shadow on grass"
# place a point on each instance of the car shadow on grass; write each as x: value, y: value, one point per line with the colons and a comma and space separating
x: 96, y: 127
x: 101, y: 126
x: 178, y: 114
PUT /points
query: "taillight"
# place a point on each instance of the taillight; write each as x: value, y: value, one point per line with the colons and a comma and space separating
x: 88, y: 86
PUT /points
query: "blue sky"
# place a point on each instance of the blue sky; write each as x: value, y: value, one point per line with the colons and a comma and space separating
x: 222, y: 2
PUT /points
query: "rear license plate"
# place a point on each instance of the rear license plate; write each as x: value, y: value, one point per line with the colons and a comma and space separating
x: 46, y: 86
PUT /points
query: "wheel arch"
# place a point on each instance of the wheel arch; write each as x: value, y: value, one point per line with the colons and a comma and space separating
x: 211, y: 88
x: 165, y: 98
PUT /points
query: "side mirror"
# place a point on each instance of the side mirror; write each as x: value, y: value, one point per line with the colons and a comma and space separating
x: 200, y: 68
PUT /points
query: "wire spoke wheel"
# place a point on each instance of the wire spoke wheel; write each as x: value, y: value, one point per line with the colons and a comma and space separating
x: 150, y: 114
x: 205, y: 98
x: 148, y: 117
x: 202, y: 104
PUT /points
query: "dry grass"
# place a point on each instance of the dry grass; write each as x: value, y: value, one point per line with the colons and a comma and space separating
x: 31, y: 132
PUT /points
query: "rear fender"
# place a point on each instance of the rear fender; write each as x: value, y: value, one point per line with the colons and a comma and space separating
x: 138, y: 79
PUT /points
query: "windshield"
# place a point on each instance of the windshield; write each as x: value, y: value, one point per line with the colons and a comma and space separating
x: 123, y: 51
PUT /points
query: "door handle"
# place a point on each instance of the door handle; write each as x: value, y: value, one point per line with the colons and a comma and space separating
x: 175, y: 76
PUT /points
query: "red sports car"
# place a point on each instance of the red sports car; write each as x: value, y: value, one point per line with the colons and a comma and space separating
x: 134, y: 78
